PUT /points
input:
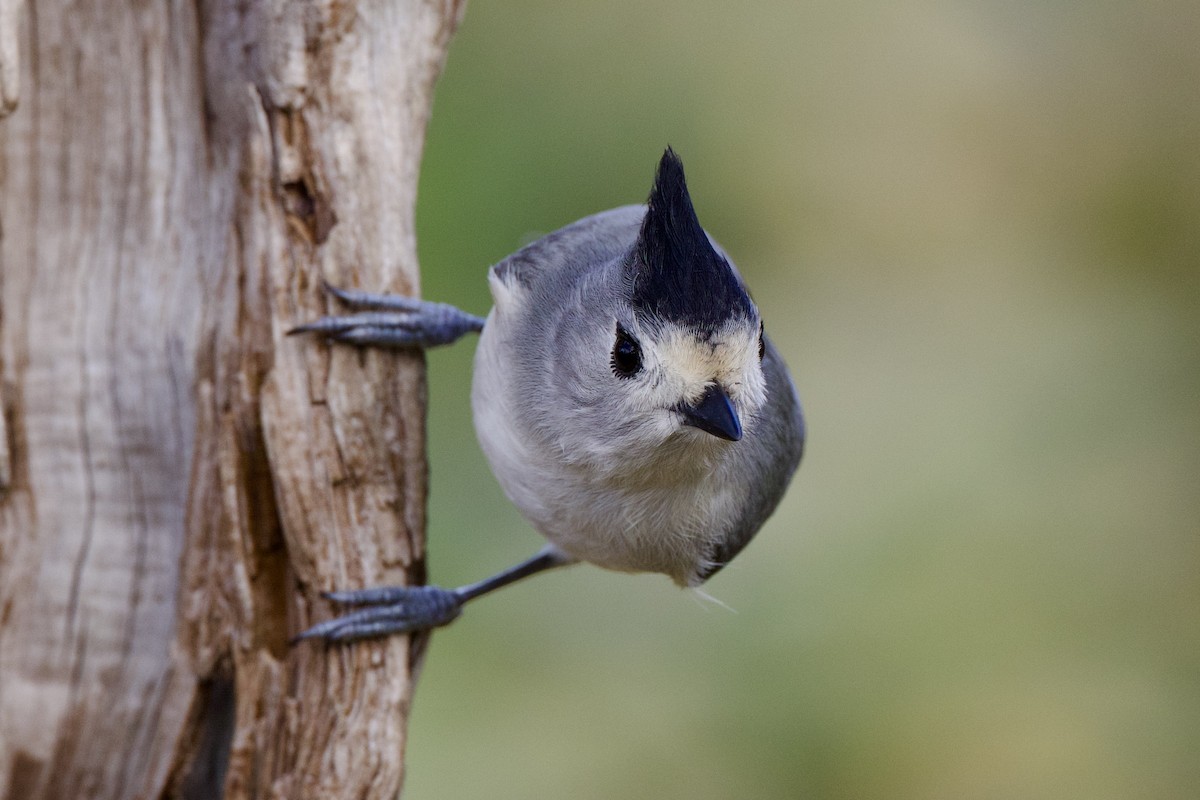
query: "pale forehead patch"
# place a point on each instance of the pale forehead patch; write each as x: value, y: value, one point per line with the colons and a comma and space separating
x: 691, y: 362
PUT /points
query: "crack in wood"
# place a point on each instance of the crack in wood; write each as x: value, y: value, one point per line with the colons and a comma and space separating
x: 5, y: 445
x: 308, y: 212
x: 302, y: 195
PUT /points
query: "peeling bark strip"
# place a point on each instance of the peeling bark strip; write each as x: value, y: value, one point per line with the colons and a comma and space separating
x: 180, y: 480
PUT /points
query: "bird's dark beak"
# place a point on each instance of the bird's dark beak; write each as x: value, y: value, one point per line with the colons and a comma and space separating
x: 714, y: 413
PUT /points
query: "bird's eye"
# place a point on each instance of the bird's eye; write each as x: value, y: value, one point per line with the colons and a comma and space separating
x: 626, y: 355
x: 762, y: 343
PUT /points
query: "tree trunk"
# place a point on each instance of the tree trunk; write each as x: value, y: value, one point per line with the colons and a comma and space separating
x: 178, y: 479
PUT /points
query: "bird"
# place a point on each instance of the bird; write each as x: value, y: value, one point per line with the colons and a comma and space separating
x: 625, y: 393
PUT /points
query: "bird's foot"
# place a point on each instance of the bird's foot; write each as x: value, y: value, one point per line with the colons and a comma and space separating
x: 389, y: 610
x: 391, y: 320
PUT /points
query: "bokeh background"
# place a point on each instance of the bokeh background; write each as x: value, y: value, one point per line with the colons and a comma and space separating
x: 974, y: 230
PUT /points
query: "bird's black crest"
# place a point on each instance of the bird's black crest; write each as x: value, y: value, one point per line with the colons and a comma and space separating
x: 676, y: 273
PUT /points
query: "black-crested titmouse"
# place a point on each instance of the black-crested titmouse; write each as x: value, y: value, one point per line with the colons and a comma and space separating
x: 625, y: 393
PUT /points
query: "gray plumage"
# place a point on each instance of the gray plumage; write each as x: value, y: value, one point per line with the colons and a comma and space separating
x: 603, y: 471
x: 625, y: 394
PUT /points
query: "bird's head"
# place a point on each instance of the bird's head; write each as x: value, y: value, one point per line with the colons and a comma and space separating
x: 684, y: 342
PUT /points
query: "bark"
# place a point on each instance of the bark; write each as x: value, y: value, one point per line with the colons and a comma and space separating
x: 178, y: 479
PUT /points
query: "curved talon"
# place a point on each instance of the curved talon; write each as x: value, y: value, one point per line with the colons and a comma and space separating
x: 377, y: 595
x: 356, y: 298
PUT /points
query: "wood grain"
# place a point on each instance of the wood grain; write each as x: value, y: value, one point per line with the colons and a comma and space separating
x: 178, y: 479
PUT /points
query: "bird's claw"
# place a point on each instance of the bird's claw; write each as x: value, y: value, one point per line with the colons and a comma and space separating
x: 389, y: 610
x: 391, y: 320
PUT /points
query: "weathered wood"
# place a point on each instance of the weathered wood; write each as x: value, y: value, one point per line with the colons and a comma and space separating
x: 179, y: 480
x: 10, y: 61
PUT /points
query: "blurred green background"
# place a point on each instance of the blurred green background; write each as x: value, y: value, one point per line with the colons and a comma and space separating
x: 974, y: 231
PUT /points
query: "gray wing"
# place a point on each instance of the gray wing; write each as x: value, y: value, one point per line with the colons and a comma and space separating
x: 592, y: 240
x: 768, y: 458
